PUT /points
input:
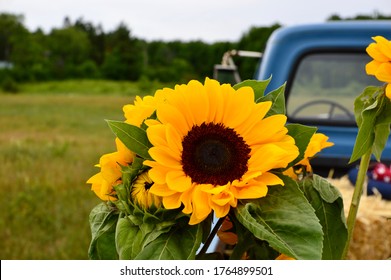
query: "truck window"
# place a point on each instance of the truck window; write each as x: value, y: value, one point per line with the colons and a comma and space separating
x: 325, y: 86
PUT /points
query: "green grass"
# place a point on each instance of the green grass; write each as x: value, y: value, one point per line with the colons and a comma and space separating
x: 49, y: 144
x: 92, y: 87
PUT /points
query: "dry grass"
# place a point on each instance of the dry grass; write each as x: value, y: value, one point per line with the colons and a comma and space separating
x: 372, y: 233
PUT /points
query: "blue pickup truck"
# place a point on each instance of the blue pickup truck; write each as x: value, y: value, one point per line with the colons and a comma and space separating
x: 323, y: 66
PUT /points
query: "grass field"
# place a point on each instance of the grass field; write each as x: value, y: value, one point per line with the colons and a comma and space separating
x: 49, y: 144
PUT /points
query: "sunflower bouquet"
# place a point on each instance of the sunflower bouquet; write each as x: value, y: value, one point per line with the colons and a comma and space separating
x: 207, y: 160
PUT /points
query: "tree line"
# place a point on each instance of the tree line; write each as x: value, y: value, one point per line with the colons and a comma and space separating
x: 81, y: 49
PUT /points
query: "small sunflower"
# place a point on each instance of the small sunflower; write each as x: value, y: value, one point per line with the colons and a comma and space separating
x: 140, y: 192
x: 110, y: 164
x: 380, y: 66
x: 143, y: 108
x: 317, y: 143
x: 213, y: 145
x: 110, y: 171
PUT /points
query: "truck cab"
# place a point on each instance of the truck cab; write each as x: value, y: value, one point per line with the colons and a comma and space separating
x: 323, y: 66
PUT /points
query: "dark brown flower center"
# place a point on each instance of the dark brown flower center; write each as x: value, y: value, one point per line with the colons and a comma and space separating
x: 147, y: 185
x: 214, y: 154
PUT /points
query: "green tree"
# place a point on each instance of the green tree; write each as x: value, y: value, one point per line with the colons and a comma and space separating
x: 374, y: 16
x: 253, y: 40
x: 67, y: 48
x: 96, y: 37
x: 30, y: 56
x: 11, y: 27
x: 124, y: 55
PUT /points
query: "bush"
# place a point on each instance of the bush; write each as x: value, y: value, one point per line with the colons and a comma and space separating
x: 9, y: 85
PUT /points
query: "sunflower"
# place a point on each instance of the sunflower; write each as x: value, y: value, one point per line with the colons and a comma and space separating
x: 213, y: 145
x: 110, y: 164
x: 380, y: 66
x: 317, y: 143
x: 140, y: 192
x: 110, y: 171
x: 143, y: 108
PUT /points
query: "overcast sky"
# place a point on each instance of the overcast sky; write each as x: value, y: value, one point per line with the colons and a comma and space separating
x: 185, y: 20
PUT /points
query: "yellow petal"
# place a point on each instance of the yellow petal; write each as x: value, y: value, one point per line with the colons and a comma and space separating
x: 201, y: 206
x: 172, y: 201
x: 178, y: 181
x: 212, y: 88
x: 186, y: 199
x: 383, y: 73
x: 237, y: 111
x: 221, y: 211
x: 258, y: 112
x: 222, y: 198
x: 157, y: 135
x: 198, y: 102
x: 384, y: 46
x: 270, y: 179
x: 158, y: 174
x: 224, y: 98
x: 270, y: 156
x: 165, y: 157
x: 161, y: 190
x: 388, y: 91
x: 270, y: 129
x: 252, y: 191
x: 97, y: 178
x: 371, y: 67
x: 375, y: 52
x: 170, y: 114
x: 174, y: 140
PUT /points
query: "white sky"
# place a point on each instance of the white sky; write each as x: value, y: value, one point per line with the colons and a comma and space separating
x: 185, y: 20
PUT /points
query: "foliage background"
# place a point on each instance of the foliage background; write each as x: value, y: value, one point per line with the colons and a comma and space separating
x: 81, y: 49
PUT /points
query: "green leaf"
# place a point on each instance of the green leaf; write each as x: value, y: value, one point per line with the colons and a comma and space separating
x: 180, y: 243
x: 248, y: 244
x: 132, y: 235
x: 277, y: 96
x: 284, y: 219
x: 302, y: 135
x: 372, y: 116
x: 382, y: 128
x: 133, y: 137
x: 328, y: 204
x: 364, y: 100
x: 103, y: 221
x: 382, y: 132
x: 259, y: 87
x: 127, y: 239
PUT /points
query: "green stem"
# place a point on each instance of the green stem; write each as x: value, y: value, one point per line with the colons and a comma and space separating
x: 361, y: 176
x: 211, y: 236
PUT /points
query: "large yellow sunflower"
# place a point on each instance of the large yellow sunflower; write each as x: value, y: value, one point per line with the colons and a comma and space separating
x: 212, y: 145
